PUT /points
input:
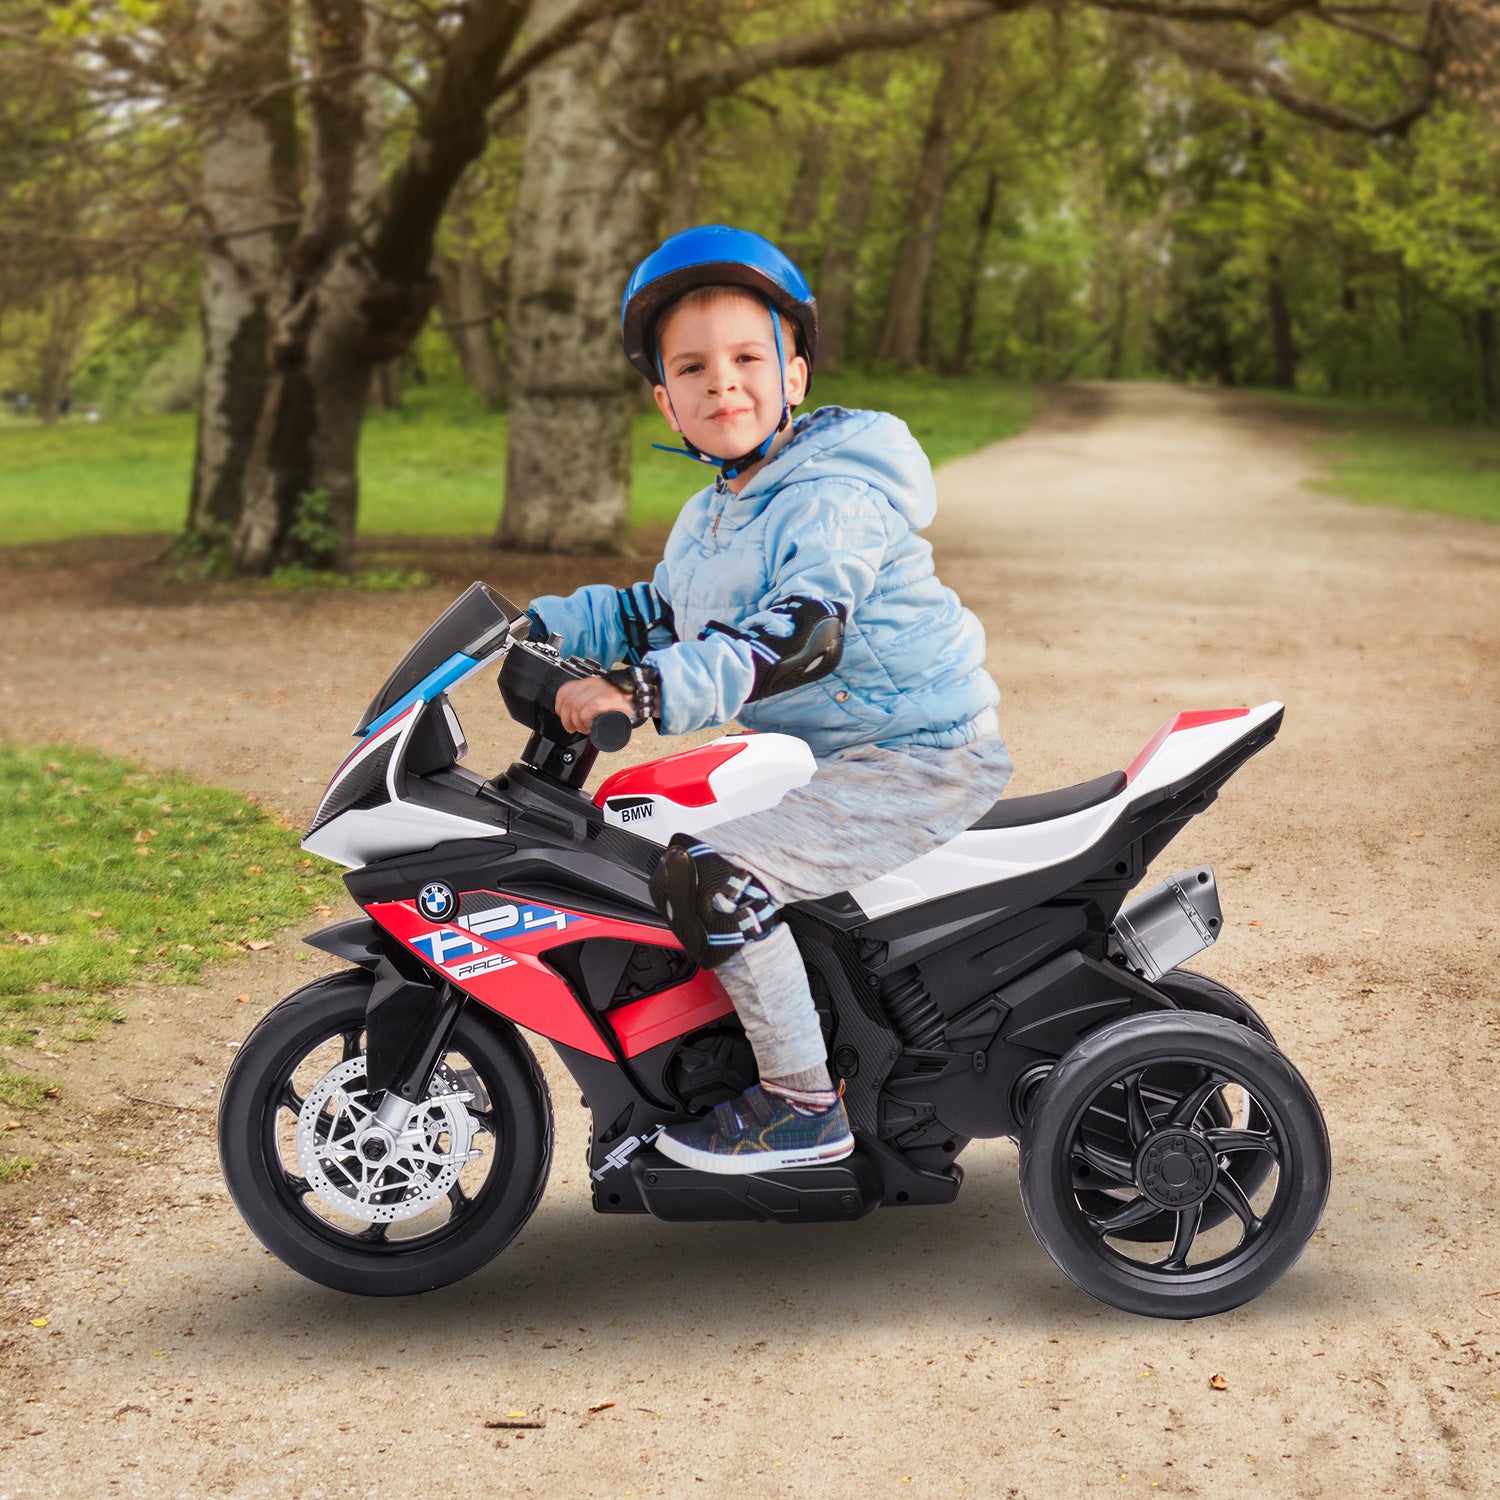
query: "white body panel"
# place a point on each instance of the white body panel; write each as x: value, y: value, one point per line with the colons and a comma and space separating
x: 978, y: 857
x: 762, y: 771
x: 764, y: 768
x: 363, y: 834
x: 360, y: 835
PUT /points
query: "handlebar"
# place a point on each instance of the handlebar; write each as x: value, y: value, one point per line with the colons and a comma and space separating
x: 610, y: 732
x: 530, y: 677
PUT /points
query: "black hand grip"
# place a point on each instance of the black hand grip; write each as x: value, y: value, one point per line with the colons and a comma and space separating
x: 610, y: 731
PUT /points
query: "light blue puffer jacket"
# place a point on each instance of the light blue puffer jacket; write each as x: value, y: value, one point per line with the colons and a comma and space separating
x: 833, y: 516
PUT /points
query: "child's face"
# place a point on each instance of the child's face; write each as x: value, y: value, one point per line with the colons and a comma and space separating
x: 722, y: 377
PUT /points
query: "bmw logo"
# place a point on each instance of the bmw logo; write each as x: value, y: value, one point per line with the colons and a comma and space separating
x: 437, y: 901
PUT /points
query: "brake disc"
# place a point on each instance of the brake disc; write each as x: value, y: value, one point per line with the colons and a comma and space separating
x: 353, y: 1166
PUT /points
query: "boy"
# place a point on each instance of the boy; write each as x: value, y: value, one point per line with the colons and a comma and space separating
x: 794, y: 595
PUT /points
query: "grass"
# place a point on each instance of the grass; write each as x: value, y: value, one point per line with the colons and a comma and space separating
x: 1381, y: 456
x: 1451, y: 471
x: 114, y: 874
x: 435, y: 468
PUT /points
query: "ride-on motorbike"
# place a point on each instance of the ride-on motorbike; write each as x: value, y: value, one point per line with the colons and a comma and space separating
x: 386, y: 1129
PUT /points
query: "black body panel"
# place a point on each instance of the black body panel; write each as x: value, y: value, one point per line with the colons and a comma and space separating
x: 359, y: 940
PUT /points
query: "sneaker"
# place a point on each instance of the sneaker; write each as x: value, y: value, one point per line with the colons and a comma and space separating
x: 759, y: 1132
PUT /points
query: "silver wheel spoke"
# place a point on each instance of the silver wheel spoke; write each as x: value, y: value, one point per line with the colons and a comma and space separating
x: 356, y: 1168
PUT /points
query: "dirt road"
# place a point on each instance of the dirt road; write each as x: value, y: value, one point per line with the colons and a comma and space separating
x: 1140, y: 551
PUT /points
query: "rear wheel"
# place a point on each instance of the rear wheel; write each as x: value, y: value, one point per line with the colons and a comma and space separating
x: 359, y: 1213
x: 1205, y: 996
x: 1125, y: 1133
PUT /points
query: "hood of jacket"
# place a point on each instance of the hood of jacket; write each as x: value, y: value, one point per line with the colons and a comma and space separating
x: 869, y: 446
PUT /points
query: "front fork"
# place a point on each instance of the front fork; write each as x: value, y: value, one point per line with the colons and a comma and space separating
x: 408, y: 1023
x: 407, y: 1029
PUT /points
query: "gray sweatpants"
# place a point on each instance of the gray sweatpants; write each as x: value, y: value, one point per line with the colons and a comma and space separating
x: 866, y: 811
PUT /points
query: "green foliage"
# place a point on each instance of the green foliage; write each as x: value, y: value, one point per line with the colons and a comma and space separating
x: 370, y: 580
x: 95, y: 167
x: 21, y: 1091
x: 14, y: 1168
x: 1435, y: 203
x: 313, y: 535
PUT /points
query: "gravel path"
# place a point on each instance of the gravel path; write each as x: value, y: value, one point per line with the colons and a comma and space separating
x: 1141, y: 550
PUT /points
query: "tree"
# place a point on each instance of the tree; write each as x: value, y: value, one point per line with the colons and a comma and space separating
x: 90, y: 179
x: 249, y: 205
x: 901, y: 338
x: 347, y: 285
x: 1436, y: 204
x: 351, y: 281
x: 598, y: 120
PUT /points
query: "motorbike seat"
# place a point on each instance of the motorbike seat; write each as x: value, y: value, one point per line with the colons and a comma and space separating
x: 1017, y: 812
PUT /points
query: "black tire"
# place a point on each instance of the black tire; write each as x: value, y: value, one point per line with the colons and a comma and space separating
x: 1197, y: 992
x: 322, y: 1026
x: 1205, y: 996
x: 1066, y: 1171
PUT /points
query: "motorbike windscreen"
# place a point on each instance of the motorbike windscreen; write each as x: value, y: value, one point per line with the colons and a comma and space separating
x: 473, y: 625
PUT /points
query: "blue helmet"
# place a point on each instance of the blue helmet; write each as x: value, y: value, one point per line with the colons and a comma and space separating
x: 713, y: 255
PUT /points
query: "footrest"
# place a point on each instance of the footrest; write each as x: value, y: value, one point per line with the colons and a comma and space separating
x: 847, y: 1189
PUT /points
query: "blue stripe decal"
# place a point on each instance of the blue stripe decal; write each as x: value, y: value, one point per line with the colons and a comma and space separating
x: 453, y: 670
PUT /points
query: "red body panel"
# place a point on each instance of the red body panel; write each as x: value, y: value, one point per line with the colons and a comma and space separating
x: 681, y: 778
x: 658, y: 1018
x: 510, y: 975
x: 1193, y: 720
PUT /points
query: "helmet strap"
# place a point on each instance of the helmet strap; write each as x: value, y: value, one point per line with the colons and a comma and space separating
x: 732, y: 468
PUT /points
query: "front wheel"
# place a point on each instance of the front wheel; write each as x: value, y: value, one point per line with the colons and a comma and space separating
x: 1127, y: 1132
x: 356, y: 1214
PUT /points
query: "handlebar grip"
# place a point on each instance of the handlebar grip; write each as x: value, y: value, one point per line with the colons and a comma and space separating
x: 610, y: 731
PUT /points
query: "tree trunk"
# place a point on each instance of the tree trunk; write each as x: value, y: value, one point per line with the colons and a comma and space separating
x: 685, y: 177
x: 586, y: 209
x: 468, y: 306
x: 301, y: 488
x: 1283, y: 339
x: 836, y: 275
x: 901, y: 338
x: 64, y: 316
x: 1489, y: 360
x: 1406, y: 307
x: 799, y: 230
x: 385, y: 386
x: 249, y: 204
x: 968, y: 300
x: 1119, y: 324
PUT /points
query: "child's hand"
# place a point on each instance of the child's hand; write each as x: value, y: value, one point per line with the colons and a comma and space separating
x: 579, y: 703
